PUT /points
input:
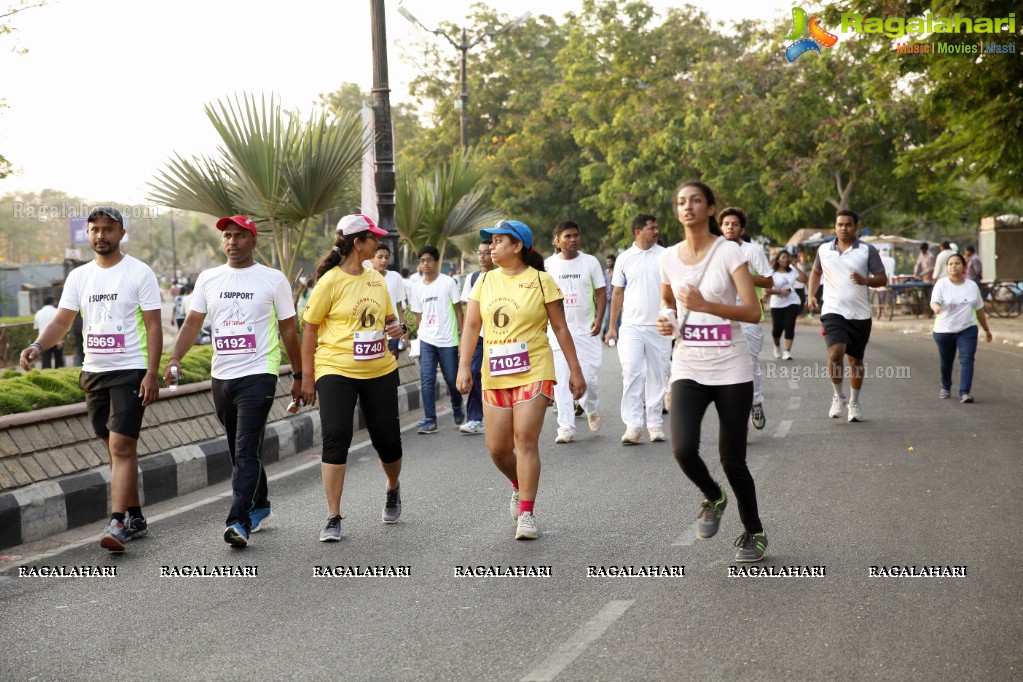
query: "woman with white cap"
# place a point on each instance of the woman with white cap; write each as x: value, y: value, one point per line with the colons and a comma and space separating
x: 514, y: 305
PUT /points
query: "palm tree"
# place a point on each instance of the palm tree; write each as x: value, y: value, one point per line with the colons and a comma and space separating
x: 451, y: 204
x: 273, y: 167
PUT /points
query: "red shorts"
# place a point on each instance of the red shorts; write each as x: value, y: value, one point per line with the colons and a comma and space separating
x: 505, y: 398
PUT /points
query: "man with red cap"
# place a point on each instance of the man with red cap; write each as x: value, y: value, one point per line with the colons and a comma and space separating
x: 252, y: 314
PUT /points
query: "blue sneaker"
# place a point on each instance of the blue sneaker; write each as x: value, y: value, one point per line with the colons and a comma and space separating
x: 259, y: 519
x: 236, y: 535
x: 427, y: 426
x: 459, y: 416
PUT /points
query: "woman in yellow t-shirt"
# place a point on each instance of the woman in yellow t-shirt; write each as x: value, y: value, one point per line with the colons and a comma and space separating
x: 344, y: 344
x: 513, y: 305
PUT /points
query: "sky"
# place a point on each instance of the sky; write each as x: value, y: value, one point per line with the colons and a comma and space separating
x: 109, y: 90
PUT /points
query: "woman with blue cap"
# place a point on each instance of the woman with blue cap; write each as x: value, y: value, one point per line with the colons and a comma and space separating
x: 514, y: 305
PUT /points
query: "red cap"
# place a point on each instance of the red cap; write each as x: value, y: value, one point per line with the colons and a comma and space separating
x: 240, y: 221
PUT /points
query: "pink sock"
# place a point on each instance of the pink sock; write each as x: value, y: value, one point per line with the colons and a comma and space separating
x: 525, y: 506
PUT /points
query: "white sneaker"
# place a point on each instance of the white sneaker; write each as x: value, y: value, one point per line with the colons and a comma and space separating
x: 564, y: 436
x: 513, y: 506
x: 777, y: 351
x: 837, y: 405
x: 593, y: 419
x: 855, y: 414
x: 785, y: 355
x: 656, y: 435
x: 472, y: 427
x: 632, y: 436
x: 526, y: 529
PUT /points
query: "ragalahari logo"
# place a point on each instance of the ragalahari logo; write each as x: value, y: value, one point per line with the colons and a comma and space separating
x: 800, y: 29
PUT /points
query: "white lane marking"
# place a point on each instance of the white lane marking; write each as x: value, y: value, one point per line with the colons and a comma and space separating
x: 188, y: 507
x: 794, y: 385
x: 783, y: 428
x: 794, y: 402
x: 590, y: 632
x: 688, y: 537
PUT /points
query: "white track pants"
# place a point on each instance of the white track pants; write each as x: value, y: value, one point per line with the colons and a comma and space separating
x: 589, y: 351
x: 645, y: 358
x: 755, y: 338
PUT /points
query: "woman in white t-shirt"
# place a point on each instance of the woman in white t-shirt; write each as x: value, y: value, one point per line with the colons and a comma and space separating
x: 701, y: 279
x: 958, y: 305
x: 785, y: 303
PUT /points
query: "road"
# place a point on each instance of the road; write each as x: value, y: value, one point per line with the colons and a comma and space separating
x: 921, y: 482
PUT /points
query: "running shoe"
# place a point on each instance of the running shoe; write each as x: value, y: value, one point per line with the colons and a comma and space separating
x: 564, y: 436
x: 427, y: 426
x: 785, y: 355
x: 459, y: 416
x: 135, y: 526
x: 708, y: 520
x: 855, y: 413
x: 777, y: 352
x: 392, y: 506
x: 526, y: 530
x: 966, y: 398
x: 472, y: 426
x: 632, y: 436
x: 751, y: 546
x: 593, y: 420
x: 260, y: 519
x: 656, y: 435
x: 332, y: 531
x: 236, y: 535
x: 513, y: 506
x: 759, y: 418
x: 944, y: 394
x: 114, y: 537
x: 837, y: 405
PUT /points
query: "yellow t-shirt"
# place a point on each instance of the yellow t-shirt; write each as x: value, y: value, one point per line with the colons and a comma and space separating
x: 514, y: 313
x: 344, y: 306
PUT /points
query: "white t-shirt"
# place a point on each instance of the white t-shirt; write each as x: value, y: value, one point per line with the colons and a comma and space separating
x: 711, y: 350
x: 578, y: 279
x: 785, y: 280
x: 395, y: 289
x: 44, y: 316
x: 467, y: 287
x: 638, y: 271
x: 111, y: 301
x: 959, y: 303
x: 436, y: 303
x: 941, y: 264
x: 842, y: 296
x: 244, y: 305
x: 759, y: 266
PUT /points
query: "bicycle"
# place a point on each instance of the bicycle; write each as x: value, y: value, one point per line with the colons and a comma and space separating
x: 1002, y: 299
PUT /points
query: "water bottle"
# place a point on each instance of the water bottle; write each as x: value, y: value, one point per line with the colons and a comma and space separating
x: 669, y: 315
x: 173, y: 385
x: 611, y: 343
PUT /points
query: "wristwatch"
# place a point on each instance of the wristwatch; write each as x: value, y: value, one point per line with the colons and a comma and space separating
x: 296, y: 375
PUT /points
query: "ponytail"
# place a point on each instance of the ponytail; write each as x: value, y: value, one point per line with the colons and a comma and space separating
x: 714, y: 229
x: 343, y: 245
x: 533, y: 259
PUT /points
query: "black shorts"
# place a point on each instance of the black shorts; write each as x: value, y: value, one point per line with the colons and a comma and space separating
x: 853, y: 333
x: 113, y: 401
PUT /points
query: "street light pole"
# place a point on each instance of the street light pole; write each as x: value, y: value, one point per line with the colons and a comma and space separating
x: 383, y: 178
x: 174, y: 253
x: 464, y: 46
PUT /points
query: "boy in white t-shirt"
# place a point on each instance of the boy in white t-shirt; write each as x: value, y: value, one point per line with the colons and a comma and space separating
x: 119, y: 298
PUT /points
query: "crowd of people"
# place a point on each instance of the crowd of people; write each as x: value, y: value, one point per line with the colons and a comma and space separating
x: 522, y: 334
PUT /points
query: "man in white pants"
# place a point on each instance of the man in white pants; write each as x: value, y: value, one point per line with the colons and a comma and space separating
x: 582, y: 282
x: 733, y: 227
x: 642, y: 352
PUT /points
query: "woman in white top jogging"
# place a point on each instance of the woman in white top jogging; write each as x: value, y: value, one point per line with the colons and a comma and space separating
x: 958, y: 305
x: 785, y: 303
x: 701, y: 278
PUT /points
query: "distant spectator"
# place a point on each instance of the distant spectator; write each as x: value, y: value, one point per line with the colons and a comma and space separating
x: 974, y: 268
x: 941, y: 262
x: 925, y: 264
x: 51, y: 357
x: 179, y: 312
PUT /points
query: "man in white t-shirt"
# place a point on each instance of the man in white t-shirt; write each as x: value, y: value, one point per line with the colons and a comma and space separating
x: 733, y: 226
x: 251, y: 313
x: 474, y: 400
x: 395, y: 289
x: 850, y: 267
x: 119, y: 299
x: 51, y: 357
x: 941, y: 261
x: 437, y: 305
x: 642, y: 351
x: 581, y: 280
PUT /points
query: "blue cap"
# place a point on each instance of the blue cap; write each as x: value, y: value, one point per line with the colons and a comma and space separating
x: 515, y: 228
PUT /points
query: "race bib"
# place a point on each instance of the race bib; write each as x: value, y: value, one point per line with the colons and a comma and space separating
x: 369, y: 345
x: 511, y: 358
x: 105, y: 339
x: 430, y: 320
x: 571, y: 299
x: 706, y: 331
x: 234, y: 340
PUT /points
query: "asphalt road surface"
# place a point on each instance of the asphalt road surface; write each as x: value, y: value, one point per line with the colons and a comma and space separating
x: 920, y: 483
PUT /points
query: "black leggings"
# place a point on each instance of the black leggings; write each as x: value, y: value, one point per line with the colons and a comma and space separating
x: 784, y: 319
x: 689, y: 401
x: 378, y: 399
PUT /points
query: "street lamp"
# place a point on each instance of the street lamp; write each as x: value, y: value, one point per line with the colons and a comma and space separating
x: 464, y: 46
x: 383, y: 178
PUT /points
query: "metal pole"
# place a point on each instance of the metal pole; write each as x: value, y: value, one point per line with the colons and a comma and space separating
x: 384, y: 176
x: 174, y: 253
x: 464, y: 48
